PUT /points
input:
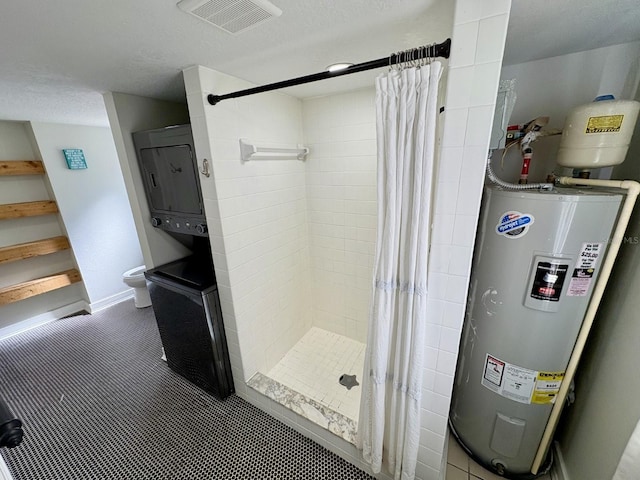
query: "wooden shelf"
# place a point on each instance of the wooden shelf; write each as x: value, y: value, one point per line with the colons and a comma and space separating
x: 21, y: 167
x: 33, y: 249
x: 14, y: 293
x: 27, y: 209
x: 12, y: 253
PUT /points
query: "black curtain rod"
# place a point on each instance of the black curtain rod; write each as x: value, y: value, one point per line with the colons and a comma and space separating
x: 428, y: 51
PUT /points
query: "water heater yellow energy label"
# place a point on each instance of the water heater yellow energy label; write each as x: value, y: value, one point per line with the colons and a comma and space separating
x: 547, y: 387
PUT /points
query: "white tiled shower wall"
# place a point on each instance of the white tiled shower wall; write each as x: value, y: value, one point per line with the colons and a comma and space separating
x: 478, y: 39
x: 256, y: 213
x: 474, y: 68
x: 341, y: 208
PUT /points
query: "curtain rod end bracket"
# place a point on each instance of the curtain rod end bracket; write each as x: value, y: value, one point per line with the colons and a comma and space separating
x: 213, y: 99
x: 446, y: 49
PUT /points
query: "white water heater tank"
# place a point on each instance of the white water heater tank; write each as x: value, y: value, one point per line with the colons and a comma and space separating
x: 597, y: 134
x: 537, y: 258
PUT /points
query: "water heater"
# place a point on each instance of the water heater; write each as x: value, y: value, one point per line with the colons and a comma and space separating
x: 537, y: 258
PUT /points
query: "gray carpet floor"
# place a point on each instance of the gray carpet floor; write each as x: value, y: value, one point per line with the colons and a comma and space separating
x: 97, y: 402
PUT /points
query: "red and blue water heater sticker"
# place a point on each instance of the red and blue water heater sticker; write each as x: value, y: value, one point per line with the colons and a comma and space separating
x: 514, y: 224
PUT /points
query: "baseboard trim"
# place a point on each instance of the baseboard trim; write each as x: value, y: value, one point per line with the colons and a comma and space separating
x: 110, y: 301
x: 42, y: 319
x: 559, y: 468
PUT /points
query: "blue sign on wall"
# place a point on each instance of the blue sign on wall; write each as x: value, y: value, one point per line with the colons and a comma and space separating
x: 75, y: 158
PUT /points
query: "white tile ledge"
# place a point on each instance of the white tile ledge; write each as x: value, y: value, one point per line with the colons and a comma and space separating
x: 337, y: 423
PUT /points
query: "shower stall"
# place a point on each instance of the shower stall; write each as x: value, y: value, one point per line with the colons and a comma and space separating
x: 293, y: 238
x: 319, y: 376
x: 292, y: 241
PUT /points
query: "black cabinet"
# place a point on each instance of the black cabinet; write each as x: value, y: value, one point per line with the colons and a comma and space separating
x: 187, y: 309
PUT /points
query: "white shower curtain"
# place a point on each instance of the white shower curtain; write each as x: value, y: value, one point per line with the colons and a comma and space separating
x: 389, y: 423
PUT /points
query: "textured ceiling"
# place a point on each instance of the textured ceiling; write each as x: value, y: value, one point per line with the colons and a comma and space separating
x: 548, y: 28
x: 58, y: 57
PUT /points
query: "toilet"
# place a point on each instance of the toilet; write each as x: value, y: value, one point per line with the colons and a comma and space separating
x: 135, y: 279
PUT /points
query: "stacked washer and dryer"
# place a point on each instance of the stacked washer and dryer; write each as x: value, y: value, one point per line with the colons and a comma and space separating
x: 542, y: 258
x: 184, y: 293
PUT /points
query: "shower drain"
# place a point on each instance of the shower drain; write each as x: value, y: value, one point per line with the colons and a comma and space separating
x: 348, y: 381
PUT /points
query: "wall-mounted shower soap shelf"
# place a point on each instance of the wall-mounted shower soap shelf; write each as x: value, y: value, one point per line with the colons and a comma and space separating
x: 249, y: 151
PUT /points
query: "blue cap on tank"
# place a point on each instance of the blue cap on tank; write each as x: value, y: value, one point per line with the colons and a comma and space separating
x: 601, y: 98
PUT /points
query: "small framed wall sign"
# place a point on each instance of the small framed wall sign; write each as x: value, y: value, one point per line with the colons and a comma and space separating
x: 75, y: 158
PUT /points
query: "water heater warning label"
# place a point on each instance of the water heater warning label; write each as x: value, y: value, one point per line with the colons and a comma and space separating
x: 493, y: 371
x: 520, y: 384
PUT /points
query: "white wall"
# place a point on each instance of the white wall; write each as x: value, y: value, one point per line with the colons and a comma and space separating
x: 132, y: 113
x: 341, y: 208
x: 553, y: 86
x: 94, y: 207
x: 15, y: 144
x: 256, y: 214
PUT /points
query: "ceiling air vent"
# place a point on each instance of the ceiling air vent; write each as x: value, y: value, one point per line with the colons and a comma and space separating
x: 232, y: 16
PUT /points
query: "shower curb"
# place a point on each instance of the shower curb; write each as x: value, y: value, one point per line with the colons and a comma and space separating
x: 335, y: 422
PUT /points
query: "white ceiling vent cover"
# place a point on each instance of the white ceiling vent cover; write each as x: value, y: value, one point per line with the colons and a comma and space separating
x: 232, y: 16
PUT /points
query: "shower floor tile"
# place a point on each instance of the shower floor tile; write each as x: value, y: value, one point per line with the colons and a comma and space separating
x: 314, y: 365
